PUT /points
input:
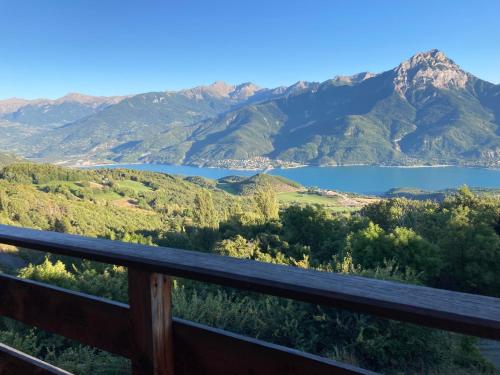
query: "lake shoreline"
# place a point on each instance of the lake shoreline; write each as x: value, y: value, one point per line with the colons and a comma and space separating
x: 269, y: 168
x: 371, y: 180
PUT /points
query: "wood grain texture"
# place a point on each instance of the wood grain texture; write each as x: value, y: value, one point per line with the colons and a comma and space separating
x: 203, y: 350
x: 459, y: 312
x: 14, y: 362
x: 199, y: 349
x: 150, y: 298
x: 90, y: 320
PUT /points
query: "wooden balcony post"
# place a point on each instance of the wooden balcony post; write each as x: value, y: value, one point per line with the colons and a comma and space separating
x: 150, y: 300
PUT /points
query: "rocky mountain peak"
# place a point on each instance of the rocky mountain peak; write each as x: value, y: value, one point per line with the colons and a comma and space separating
x: 429, y: 68
x: 76, y: 97
x: 433, y: 55
x: 300, y: 85
x: 352, y: 80
x: 218, y: 88
x: 223, y: 89
x: 245, y: 90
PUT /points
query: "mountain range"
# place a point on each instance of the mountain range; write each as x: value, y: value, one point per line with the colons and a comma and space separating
x: 427, y: 110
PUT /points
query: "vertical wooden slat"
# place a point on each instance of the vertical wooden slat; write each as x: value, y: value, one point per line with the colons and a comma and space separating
x: 151, y: 323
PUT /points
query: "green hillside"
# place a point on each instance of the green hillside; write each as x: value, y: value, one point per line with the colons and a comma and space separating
x: 440, y: 195
x: 51, y: 114
x: 248, y: 185
x: 6, y: 159
x: 396, y: 239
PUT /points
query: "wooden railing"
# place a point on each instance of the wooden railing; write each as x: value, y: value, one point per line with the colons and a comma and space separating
x: 145, y: 332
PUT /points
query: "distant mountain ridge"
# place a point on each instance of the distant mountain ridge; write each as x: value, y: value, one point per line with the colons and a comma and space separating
x: 427, y: 110
x: 68, y: 108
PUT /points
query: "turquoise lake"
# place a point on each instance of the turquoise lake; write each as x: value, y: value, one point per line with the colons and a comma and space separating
x: 358, y: 179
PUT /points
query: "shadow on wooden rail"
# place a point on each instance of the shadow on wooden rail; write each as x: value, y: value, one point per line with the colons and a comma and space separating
x: 156, y: 343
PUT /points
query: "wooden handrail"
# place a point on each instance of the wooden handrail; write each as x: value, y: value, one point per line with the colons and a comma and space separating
x: 105, y: 324
x: 453, y: 311
x: 150, y: 338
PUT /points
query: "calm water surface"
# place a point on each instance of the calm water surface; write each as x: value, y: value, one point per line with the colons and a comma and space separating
x: 359, y: 179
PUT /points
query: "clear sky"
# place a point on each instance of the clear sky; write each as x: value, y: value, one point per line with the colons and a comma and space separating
x: 110, y: 47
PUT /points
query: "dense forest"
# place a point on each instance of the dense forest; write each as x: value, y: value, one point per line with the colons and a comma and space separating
x: 452, y: 244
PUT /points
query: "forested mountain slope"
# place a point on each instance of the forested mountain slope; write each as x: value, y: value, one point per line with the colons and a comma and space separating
x: 104, y: 130
x: 427, y: 110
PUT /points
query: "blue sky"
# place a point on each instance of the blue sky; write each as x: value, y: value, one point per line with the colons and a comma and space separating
x: 110, y: 47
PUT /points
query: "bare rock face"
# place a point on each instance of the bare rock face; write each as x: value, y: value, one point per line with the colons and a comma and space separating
x: 428, y: 68
x: 223, y: 90
x: 354, y: 79
x: 492, y: 154
x: 244, y: 91
x: 300, y: 86
x: 218, y: 89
